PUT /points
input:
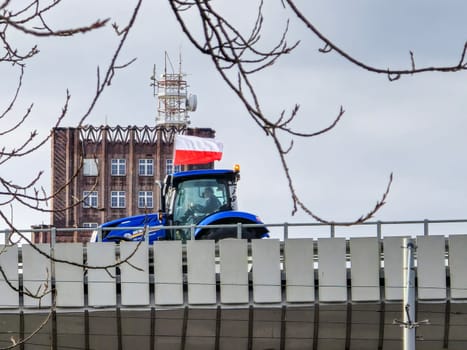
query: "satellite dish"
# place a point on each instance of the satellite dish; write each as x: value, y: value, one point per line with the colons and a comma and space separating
x: 192, y: 103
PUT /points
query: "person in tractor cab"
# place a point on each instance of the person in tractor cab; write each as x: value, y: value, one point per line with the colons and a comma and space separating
x: 212, y: 202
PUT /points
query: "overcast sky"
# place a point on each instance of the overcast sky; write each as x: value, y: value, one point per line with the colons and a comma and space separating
x: 414, y: 127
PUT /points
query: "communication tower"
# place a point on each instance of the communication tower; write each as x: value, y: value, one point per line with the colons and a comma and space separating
x: 173, y: 100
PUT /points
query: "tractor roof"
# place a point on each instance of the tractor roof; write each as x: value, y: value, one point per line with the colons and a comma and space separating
x: 181, y: 176
x: 197, y: 173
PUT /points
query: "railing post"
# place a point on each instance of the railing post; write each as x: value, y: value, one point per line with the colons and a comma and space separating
x: 53, y: 240
x: 286, y: 231
x: 53, y: 236
x: 425, y: 227
x: 333, y: 230
x: 239, y: 230
x: 99, y: 234
x: 7, y: 235
x: 378, y: 230
x: 192, y: 232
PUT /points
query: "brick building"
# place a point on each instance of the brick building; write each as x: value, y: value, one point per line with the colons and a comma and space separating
x: 102, y: 173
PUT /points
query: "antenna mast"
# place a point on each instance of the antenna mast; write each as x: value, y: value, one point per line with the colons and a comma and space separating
x: 174, y: 103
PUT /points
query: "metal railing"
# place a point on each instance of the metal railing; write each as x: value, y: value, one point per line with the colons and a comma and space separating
x: 286, y: 230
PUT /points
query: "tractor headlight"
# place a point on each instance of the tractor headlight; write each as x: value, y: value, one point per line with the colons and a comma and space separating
x: 128, y: 236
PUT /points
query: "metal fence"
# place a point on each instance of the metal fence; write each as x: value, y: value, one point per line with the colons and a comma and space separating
x: 283, y: 231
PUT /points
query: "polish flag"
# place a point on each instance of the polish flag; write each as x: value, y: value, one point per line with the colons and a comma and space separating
x: 196, y: 150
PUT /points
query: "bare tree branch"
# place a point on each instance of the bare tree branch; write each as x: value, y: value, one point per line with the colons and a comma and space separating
x: 392, y: 74
x: 236, y: 58
x: 22, y: 20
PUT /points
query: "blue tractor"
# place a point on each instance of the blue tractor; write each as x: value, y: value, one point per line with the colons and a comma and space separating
x: 189, y: 199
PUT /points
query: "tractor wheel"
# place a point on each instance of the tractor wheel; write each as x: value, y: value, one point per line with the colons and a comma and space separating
x: 221, y: 233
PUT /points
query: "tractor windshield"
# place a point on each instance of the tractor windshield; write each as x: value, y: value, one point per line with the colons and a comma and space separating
x: 196, y: 199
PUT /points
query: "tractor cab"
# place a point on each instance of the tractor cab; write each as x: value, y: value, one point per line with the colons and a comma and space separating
x: 189, y: 197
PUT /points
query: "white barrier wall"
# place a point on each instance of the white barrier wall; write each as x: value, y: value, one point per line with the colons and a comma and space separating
x: 458, y: 266
x: 332, y: 273
x: 37, y: 275
x: 365, y: 269
x: 299, y: 270
x: 431, y: 269
x: 101, y: 274
x: 233, y: 271
x: 69, y: 278
x: 9, y: 279
x: 134, y: 274
x: 393, y: 276
x: 266, y: 271
x: 199, y: 273
x: 168, y: 273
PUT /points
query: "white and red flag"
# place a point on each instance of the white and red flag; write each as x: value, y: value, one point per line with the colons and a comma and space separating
x: 196, y: 150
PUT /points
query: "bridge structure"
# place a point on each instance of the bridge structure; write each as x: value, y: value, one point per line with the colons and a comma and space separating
x: 292, y: 293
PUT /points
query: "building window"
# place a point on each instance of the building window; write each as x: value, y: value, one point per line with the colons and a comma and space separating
x: 169, y: 167
x: 90, y: 166
x: 90, y: 199
x: 117, y: 199
x: 90, y: 225
x: 145, y: 199
x: 146, y: 167
x: 118, y: 167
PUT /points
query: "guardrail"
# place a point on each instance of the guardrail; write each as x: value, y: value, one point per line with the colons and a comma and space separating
x: 283, y: 231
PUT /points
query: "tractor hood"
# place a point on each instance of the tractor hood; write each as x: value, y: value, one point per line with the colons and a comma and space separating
x: 132, y: 228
